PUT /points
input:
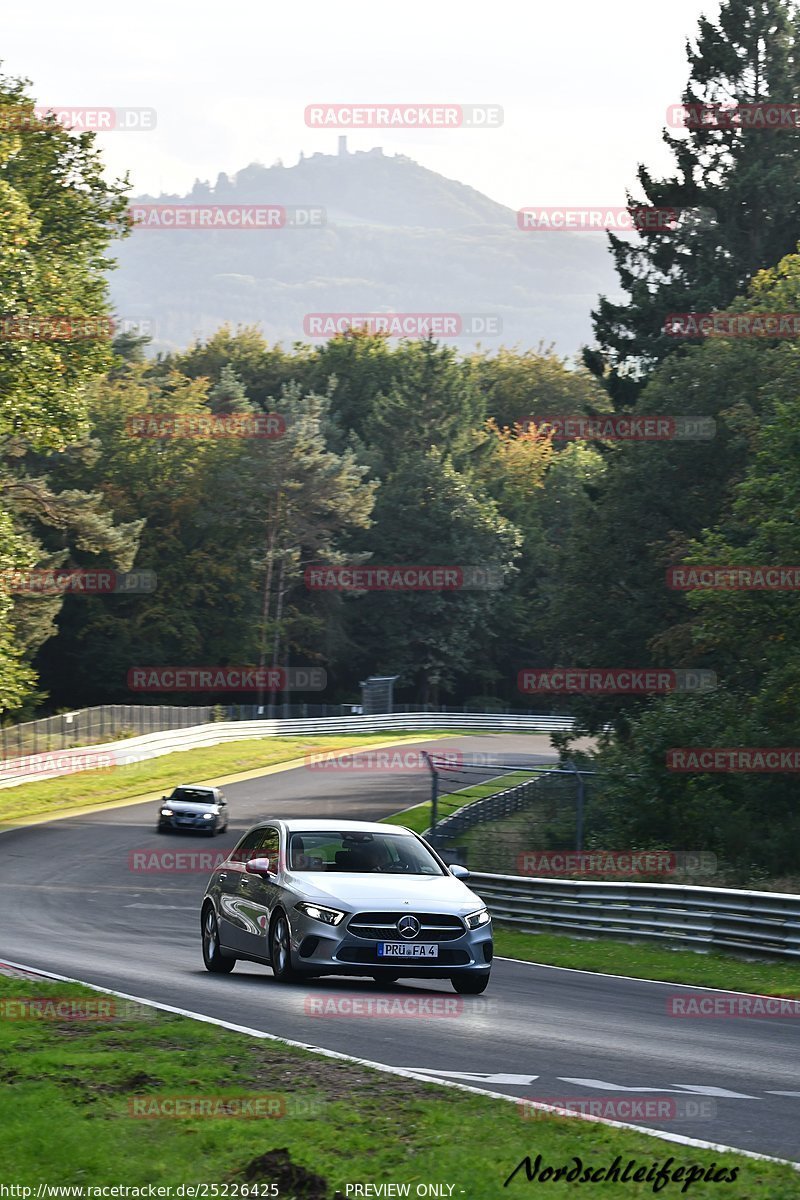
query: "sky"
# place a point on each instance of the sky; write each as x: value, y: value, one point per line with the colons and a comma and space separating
x: 584, y: 87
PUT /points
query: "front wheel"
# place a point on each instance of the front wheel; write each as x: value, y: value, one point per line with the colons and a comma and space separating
x: 280, y: 951
x: 212, y: 955
x: 470, y: 985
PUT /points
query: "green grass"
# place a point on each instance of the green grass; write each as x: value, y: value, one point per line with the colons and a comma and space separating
x: 87, y: 788
x: 419, y: 817
x: 638, y: 960
x: 68, y: 1087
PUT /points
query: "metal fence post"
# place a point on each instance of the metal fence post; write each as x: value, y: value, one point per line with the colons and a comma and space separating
x: 580, y: 806
x: 434, y: 794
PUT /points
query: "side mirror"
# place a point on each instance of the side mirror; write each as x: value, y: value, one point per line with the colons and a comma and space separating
x: 459, y: 871
x: 259, y: 866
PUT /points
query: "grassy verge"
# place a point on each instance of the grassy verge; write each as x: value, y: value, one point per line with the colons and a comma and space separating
x: 419, y: 817
x: 638, y: 960
x: 72, y: 1089
x: 86, y: 788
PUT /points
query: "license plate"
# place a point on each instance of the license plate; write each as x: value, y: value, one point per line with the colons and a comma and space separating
x: 185, y: 820
x: 408, y: 950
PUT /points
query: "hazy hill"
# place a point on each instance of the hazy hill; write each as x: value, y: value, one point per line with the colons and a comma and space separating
x: 397, y: 238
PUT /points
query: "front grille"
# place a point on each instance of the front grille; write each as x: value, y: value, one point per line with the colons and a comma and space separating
x: 368, y: 956
x: 434, y: 927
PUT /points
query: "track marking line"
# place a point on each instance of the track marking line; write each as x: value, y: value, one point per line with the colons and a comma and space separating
x: 695, y: 987
x: 602, y: 1086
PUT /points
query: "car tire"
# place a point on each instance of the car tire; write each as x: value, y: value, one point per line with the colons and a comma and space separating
x: 471, y: 984
x: 161, y: 829
x: 280, y: 951
x: 212, y: 954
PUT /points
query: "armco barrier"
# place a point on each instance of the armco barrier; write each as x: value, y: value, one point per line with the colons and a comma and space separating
x: 699, y: 918
x: 152, y: 745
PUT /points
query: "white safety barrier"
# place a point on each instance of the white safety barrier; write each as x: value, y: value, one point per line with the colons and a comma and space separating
x: 151, y: 745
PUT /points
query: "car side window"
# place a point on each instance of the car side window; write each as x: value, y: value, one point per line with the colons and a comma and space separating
x: 249, y: 846
x: 270, y: 844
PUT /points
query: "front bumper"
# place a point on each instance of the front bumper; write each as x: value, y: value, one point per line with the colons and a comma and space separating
x: 335, y: 950
x: 191, y: 826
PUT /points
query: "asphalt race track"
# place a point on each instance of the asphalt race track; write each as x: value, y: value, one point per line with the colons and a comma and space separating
x: 72, y: 903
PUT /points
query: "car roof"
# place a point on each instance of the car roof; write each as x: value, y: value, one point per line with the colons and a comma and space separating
x: 195, y: 787
x: 332, y: 824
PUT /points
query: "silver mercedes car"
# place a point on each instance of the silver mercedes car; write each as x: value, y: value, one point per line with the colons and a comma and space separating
x: 326, y: 897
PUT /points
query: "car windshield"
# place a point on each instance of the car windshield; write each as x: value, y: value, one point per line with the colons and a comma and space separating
x: 358, y: 853
x: 193, y: 796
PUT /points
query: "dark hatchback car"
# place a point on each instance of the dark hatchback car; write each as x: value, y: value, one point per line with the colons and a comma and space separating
x: 193, y: 809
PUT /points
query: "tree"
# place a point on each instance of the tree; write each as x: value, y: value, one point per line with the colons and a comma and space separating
x: 57, y: 218
x: 745, y: 179
x: 261, y: 369
x: 427, y: 513
x: 609, y: 604
x: 520, y: 386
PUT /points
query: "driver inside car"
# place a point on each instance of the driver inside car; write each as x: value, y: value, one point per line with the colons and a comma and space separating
x: 372, y: 856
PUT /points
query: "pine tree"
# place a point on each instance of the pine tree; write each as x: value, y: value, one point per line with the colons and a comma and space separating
x: 742, y: 181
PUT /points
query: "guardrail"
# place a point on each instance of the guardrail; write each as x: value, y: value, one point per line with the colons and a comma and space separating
x: 704, y: 918
x: 131, y: 750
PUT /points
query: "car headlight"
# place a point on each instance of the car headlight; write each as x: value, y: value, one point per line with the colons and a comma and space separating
x: 476, y: 919
x: 328, y: 916
x: 208, y: 816
x: 166, y: 812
